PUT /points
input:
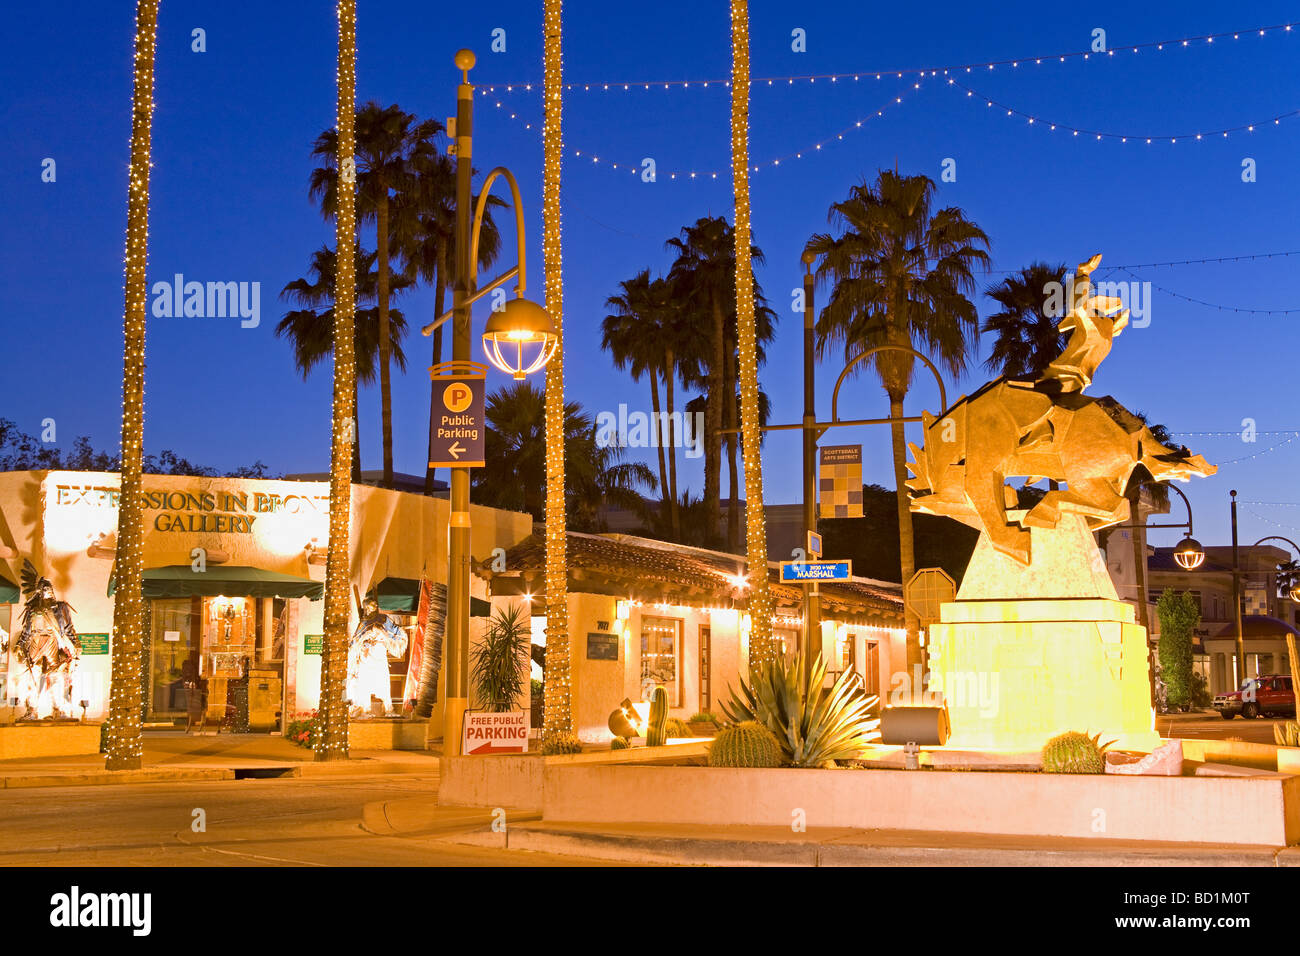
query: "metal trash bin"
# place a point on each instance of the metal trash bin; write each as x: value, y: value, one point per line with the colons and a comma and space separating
x: 915, y: 725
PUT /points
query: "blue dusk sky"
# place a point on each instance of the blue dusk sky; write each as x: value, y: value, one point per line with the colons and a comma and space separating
x: 234, y: 126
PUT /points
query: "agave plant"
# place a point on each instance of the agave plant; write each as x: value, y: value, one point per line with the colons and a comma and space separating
x: 814, y: 723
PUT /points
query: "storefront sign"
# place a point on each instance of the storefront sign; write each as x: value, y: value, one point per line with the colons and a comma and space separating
x: 313, y: 643
x: 602, y: 647
x: 816, y: 570
x: 456, y: 430
x: 487, y: 733
x: 220, y: 512
x: 93, y: 644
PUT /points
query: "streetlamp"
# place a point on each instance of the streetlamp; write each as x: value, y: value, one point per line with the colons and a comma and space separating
x: 519, y: 323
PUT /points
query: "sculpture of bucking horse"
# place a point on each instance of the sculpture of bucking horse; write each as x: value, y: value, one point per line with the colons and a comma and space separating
x: 1045, y: 428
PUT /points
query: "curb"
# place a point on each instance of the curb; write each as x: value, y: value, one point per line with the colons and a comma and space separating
x: 705, y: 851
x: 97, y: 778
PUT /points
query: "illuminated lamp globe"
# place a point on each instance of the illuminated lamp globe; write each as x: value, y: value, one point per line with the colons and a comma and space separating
x: 1189, y: 553
x: 520, y: 338
x: 1294, y: 594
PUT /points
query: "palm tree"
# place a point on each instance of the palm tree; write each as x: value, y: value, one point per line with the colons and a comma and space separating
x: 515, y: 449
x: 424, y: 239
x: 1027, y: 337
x: 124, y: 749
x: 704, y: 273
x: 331, y: 742
x: 386, y: 138
x: 310, y: 329
x: 901, y: 274
x: 558, y: 719
x: 633, y: 335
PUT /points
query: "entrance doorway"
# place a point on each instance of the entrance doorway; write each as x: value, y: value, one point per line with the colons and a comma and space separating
x: 233, y: 646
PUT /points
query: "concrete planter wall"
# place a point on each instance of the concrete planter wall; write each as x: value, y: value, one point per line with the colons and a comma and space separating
x: 381, y: 733
x: 1262, y: 810
x: 48, y: 739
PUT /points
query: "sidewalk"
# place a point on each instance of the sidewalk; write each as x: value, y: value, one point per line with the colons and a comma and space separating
x: 173, y: 755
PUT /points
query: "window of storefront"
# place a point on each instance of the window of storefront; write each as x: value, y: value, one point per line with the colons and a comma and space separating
x: 660, y: 655
x: 706, y: 653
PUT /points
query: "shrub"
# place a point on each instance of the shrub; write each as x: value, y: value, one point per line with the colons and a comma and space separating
x: 748, y: 744
x: 302, y: 729
x: 812, y: 722
x: 677, y: 728
x: 561, y: 744
x: 1074, y: 752
x: 537, y: 687
x: 1288, y: 734
x: 704, y: 717
x: 1201, y: 696
x: 619, y: 743
x: 497, y: 664
x: 1179, y: 615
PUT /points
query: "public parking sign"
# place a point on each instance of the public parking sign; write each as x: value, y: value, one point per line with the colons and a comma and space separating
x: 489, y: 733
x: 457, y: 428
x: 793, y: 571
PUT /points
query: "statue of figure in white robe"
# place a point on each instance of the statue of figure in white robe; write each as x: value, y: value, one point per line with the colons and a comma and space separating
x: 375, y: 640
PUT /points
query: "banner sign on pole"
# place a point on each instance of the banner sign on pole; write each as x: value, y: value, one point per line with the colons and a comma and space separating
x: 456, y: 429
x: 840, y: 481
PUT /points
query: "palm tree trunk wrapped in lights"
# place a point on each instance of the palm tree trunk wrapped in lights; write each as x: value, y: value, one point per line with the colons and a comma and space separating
x: 761, y: 645
x: 332, y: 738
x: 125, y: 744
x: 558, y: 706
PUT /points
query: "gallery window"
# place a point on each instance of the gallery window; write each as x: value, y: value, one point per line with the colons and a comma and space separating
x: 661, y: 648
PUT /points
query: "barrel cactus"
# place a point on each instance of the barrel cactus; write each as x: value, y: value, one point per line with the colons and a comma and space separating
x: 619, y: 743
x: 1288, y: 734
x: 656, y: 734
x: 1074, y: 752
x: 561, y: 744
x: 677, y: 728
x: 748, y: 744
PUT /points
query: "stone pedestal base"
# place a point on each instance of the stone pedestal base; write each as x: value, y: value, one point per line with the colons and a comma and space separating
x: 1016, y: 673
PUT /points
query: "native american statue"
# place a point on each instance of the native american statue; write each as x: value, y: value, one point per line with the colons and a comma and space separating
x: 47, y: 648
x: 1044, y: 428
x: 375, y: 639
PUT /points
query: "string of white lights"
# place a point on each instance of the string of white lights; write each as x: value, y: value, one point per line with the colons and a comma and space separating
x: 638, y: 168
x: 1263, y: 451
x: 1234, y: 434
x: 854, y: 76
x: 1099, y: 135
x: 1270, y: 521
x: 1212, y: 305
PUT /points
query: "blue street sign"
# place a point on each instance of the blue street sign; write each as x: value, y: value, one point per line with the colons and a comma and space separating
x: 816, y: 570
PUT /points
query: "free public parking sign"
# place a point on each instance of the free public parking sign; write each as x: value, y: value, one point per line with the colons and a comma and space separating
x: 457, y: 428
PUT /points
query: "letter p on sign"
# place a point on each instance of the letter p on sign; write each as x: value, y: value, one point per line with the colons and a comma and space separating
x: 457, y: 397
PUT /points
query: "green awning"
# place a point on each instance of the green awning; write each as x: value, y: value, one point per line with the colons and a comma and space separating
x: 180, y: 580
x: 402, y: 596
x: 9, y: 593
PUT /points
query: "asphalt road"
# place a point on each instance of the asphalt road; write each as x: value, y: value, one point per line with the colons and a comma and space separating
x: 310, y: 821
x: 1211, y: 726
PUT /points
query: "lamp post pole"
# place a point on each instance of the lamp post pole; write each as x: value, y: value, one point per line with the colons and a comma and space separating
x: 1240, y: 670
x: 456, y: 699
x: 812, y: 595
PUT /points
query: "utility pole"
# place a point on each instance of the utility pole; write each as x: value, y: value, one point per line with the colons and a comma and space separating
x: 812, y: 593
x: 456, y: 700
x: 1236, y: 599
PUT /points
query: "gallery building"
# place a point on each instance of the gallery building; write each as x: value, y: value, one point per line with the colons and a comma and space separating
x: 233, y: 581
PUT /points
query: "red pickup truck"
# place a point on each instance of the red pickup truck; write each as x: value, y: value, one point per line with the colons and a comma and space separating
x: 1270, y: 696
